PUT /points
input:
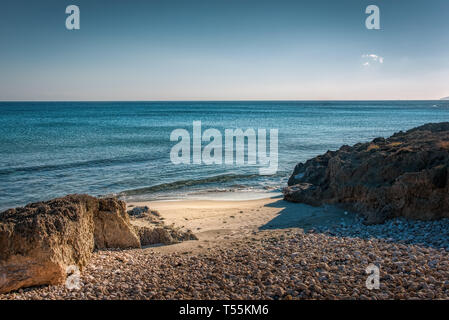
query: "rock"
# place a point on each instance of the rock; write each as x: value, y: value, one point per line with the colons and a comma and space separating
x: 39, y: 241
x: 138, y: 211
x: 405, y: 175
x: 112, y: 226
x: 164, y: 235
x: 151, y: 229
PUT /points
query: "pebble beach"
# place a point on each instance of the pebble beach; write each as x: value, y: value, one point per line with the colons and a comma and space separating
x: 241, y: 260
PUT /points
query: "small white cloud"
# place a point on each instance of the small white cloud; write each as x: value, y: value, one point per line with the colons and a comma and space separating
x: 373, y: 58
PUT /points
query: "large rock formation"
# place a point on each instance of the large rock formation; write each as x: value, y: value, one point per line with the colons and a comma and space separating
x: 39, y: 241
x: 404, y: 175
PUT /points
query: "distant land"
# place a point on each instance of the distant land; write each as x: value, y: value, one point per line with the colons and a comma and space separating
x: 446, y: 98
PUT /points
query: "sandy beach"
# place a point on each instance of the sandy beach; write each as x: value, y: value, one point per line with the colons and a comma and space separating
x: 217, y: 222
x: 268, y: 249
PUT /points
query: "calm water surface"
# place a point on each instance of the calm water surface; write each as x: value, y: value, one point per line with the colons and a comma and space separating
x: 50, y: 149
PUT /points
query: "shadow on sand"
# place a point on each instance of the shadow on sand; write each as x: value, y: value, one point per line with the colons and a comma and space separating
x: 299, y: 215
x: 336, y: 221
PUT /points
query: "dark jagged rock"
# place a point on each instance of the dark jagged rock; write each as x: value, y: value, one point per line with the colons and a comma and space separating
x: 404, y: 175
x: 138, y: 211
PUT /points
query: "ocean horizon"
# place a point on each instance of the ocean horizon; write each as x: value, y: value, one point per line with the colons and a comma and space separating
x: 51, y: 149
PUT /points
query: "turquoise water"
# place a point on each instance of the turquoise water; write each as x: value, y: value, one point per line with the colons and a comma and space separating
x: 50, y: 149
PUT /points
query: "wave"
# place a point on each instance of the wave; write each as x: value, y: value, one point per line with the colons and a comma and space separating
x: 78, y: 164
x: 193, y: 182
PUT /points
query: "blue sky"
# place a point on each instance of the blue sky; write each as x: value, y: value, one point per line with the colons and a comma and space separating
x: 224, y: 50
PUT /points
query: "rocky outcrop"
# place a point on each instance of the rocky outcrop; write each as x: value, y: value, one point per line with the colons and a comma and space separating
x: 39, y: 241
x: 404, y: 175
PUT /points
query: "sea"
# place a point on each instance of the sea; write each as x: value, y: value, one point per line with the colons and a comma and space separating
x: 50, y: 149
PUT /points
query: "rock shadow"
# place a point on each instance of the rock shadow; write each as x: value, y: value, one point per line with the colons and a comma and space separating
x: 300, y: 215
x: 335, y: 221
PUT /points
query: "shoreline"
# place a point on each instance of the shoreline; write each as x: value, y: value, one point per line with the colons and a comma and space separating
x: 213, y: 195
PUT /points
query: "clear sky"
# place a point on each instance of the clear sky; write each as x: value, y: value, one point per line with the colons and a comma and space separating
x: 224, y: 50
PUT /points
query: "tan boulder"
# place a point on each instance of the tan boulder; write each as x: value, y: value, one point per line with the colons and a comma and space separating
x: 39, y: 241
x: 112, y: 226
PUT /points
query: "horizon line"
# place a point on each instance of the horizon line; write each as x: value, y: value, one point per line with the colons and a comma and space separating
x: 225, y: 100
